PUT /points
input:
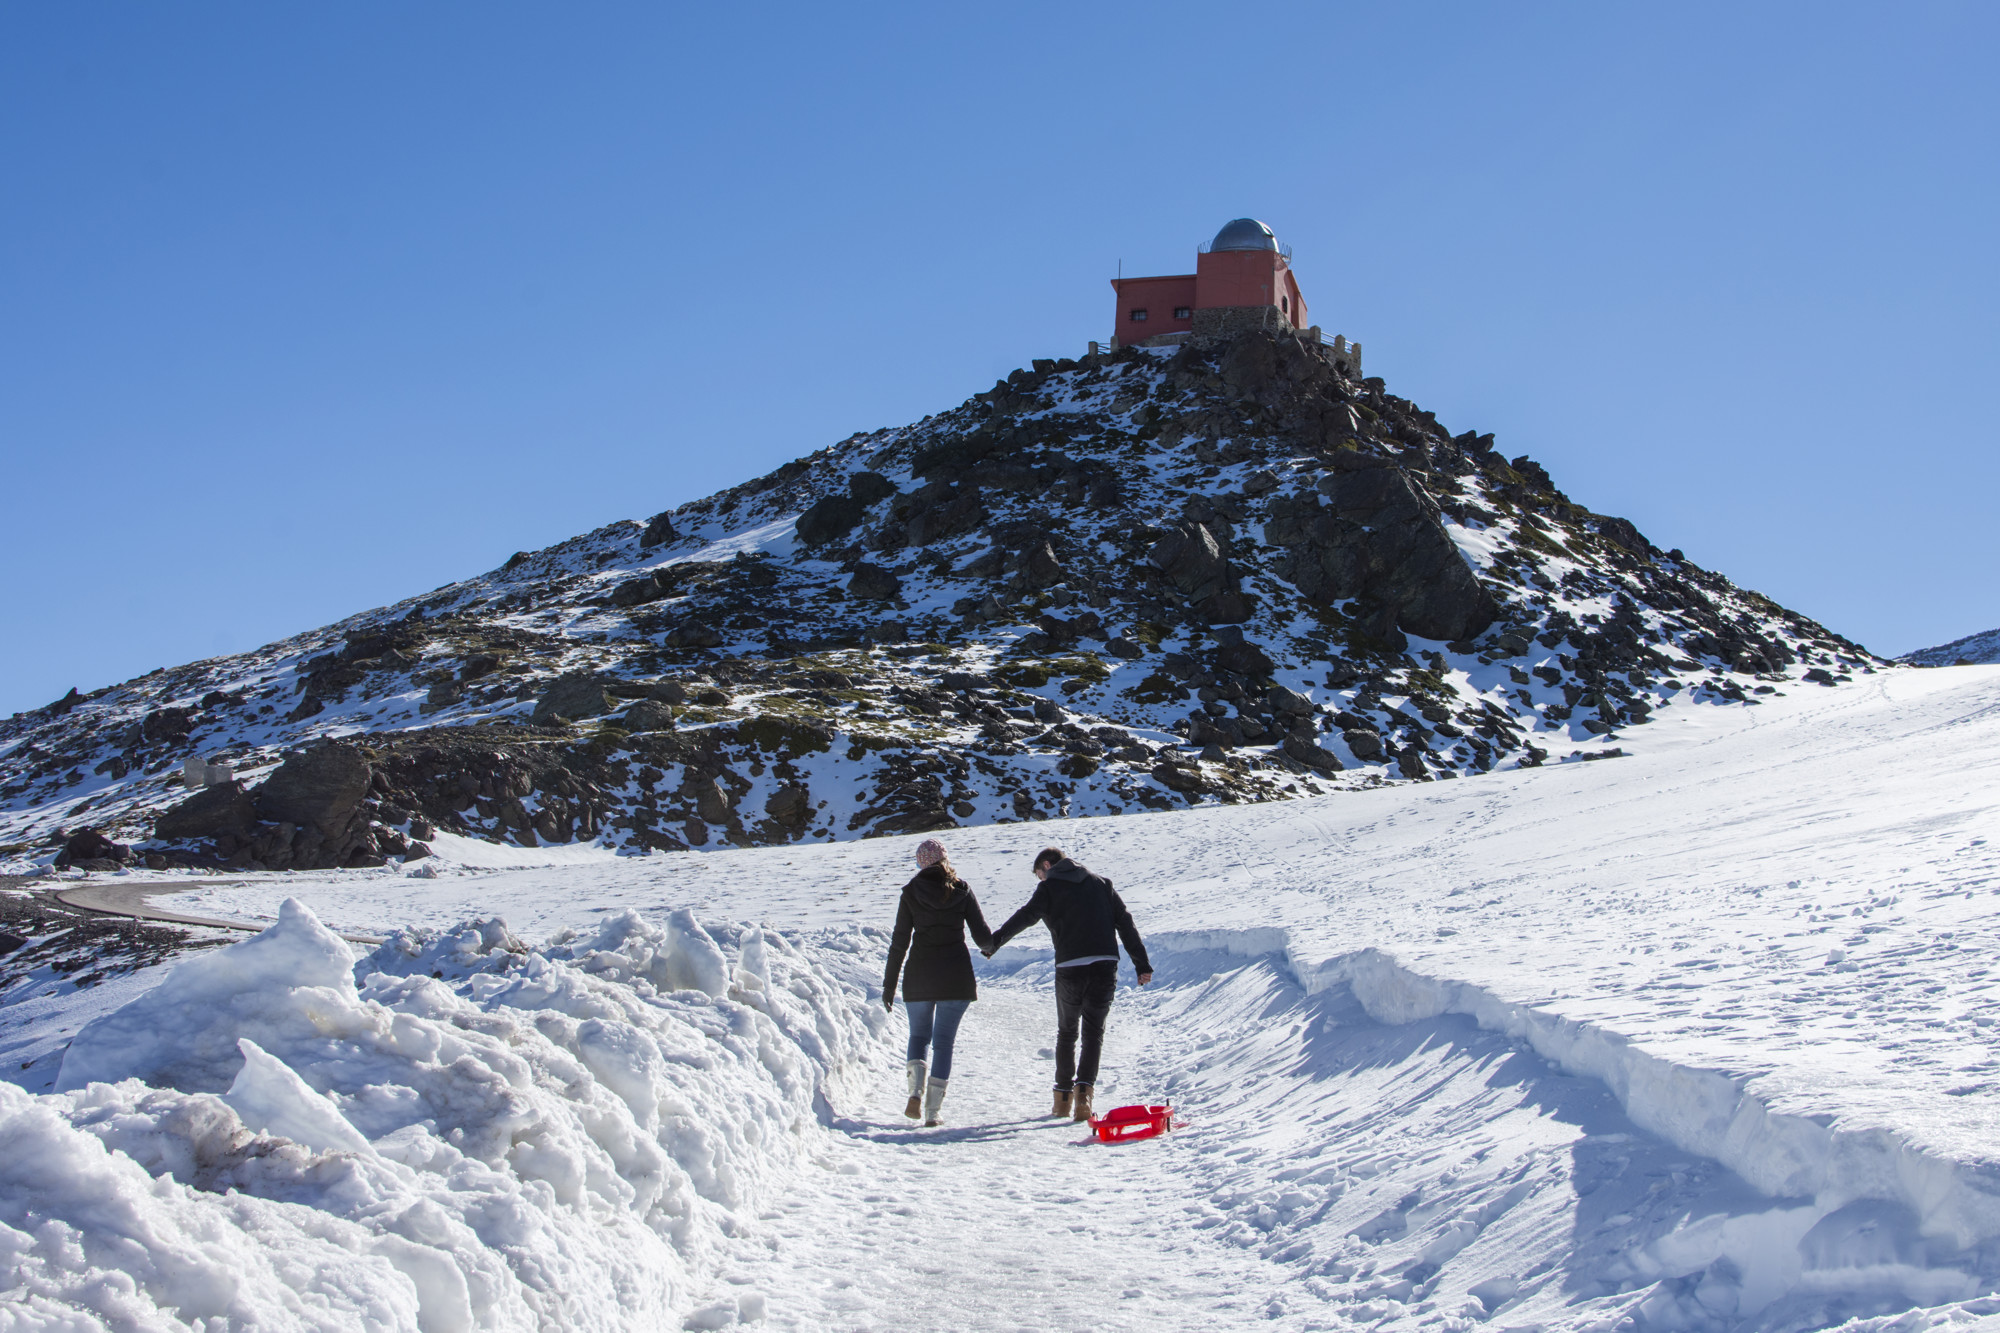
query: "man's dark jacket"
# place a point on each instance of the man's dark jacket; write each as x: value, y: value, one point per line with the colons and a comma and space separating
x: 931, y: 922
x: 1084, y: 915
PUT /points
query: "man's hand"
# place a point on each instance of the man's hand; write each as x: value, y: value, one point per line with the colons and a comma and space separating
x: 1145, y: 977
x: 986, y: 953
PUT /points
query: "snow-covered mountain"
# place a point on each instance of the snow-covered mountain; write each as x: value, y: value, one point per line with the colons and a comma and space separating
x: 1972, y: 650
x: 1142, y: 580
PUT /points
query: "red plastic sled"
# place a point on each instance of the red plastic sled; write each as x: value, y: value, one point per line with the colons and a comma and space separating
x: 1126, y: 1123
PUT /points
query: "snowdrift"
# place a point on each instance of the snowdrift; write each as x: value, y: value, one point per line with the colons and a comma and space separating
x: 454, y: 1132
x: 1802, y: 1223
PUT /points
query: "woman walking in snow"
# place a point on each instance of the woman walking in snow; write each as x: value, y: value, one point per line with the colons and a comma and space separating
x: 936, y: 911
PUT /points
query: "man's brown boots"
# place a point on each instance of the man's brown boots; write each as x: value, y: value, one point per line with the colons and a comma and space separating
x: 1080, y: 1103
x: 1062, y: 1102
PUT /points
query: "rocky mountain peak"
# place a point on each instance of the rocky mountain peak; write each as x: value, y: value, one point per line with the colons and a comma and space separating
x: 1136, y: 580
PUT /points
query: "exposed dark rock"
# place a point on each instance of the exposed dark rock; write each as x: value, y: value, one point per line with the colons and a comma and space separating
x: 790, y: 805
x: 1244, y: 658
x: 89, y: 849
x: 987, y: 565
x: 829, y: 519
x: 1410, y: 762
x: 868, y: 487
x: 639, y: 591
x: 693, y: 634
x: 573, y: 696
x: 1304, y: 746
x: 1039, y: 566
x: 224, y: 808
x: 1288, y: 702
x: 1228, y: 607
x: 874, y: 583
x: 321, y: 786
x: 647, y: 715
x: 1192, y: 560
x: 1380, y: 538
x: 660, y: 530
x: 168, y: 724
x: 712, y: 803
x: 1365, y: 744
x: 1621, y: 532
x: 1249, y: 368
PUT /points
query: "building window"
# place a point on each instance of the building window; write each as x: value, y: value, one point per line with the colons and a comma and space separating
x: 1182, y: 312
x: 1285, y: 304
x: 1139, y: 315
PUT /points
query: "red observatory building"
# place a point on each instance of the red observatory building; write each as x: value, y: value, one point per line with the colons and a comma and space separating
x: 1242, y: 280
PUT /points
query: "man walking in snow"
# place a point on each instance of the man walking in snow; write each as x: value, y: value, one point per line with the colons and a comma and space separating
x: 1086, y: 920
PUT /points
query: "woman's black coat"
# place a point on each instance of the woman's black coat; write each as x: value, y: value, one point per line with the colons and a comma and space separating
x: 931, y: 923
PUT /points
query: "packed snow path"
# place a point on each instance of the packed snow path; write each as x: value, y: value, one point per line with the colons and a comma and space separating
x: 1004, y: 1218
x: 1330, y: 1172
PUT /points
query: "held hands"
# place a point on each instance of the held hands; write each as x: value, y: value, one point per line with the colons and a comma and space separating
x: 1145, y: 977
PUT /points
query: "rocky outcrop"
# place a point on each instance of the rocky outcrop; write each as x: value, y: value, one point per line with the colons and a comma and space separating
x: 648, y: 715
x: 868, y: 487
x: 873, y: 583
x: 318, y: 787
x: 1193, y: 561
x: 1377, y: 537
x: 572, y: 697
x: 659, y: 531
x: 829, y: 520
x: 89, y: 849
x: 225, y: 807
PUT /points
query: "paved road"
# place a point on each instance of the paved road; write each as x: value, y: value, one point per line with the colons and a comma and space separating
x: 135, y: 900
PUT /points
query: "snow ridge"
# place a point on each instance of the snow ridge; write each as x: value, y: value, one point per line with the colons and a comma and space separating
x: 1942, y: 1219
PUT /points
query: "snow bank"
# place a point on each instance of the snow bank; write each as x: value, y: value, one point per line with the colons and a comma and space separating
x: 1701, y: 1111
x: 455, y: 1132
x: 1857, y: 1213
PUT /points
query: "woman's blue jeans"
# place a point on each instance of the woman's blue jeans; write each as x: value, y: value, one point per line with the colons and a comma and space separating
x: 934, y: 1025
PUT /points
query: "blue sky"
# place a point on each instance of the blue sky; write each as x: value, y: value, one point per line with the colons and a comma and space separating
x: 307, y: 309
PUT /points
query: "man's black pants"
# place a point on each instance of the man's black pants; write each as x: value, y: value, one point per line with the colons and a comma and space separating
x: 1083, y: 999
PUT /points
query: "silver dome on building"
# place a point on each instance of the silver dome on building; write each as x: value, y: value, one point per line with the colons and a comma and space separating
x: 1245, y: 234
